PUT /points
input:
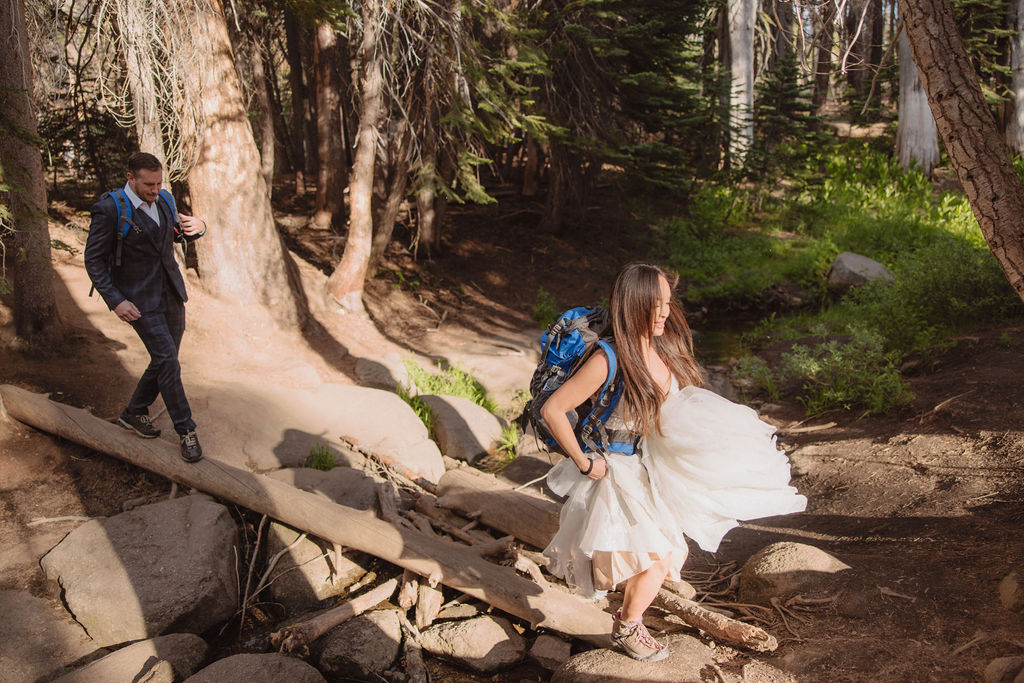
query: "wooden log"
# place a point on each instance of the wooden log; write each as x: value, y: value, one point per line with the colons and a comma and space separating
x: 527, y: 516
x: 716, y: 625
x: 457, y: 566
x: 296, y: 639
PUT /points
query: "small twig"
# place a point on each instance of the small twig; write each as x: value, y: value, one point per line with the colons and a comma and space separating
x: 496, y: 547
x: 528, y: 566
x: 261, y: 584
x: 406, y: 476
x: 252, y: 566
x: 777, y: 604
x: 67, y: 518
x: 786, y: 431
x: 531, y: 482
x: 979, y: 637
x: 893, y: 594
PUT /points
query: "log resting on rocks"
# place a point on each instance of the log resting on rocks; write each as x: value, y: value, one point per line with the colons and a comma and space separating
x: 526, y: 516
x: 458, y: 567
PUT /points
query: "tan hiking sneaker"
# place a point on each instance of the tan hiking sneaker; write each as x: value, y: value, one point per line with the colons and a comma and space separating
x: 636, y: 641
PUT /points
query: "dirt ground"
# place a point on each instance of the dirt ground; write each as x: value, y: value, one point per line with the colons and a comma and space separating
x: 925, y: 507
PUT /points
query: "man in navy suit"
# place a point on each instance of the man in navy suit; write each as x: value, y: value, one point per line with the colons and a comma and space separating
x: 144, y: 288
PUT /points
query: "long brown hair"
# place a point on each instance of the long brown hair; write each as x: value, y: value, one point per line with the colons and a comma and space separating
x: 632, y: 304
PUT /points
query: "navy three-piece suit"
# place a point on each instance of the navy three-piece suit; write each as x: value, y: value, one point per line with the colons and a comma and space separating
x: 149, y: 277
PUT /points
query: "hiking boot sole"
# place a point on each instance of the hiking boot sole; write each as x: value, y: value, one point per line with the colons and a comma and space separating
x: 653, y: 657
x: 133, y: 429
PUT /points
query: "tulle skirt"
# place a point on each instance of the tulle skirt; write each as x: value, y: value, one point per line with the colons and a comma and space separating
x: 714, y: 463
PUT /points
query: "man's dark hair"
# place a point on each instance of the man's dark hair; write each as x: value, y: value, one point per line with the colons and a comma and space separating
x: 143, y: 160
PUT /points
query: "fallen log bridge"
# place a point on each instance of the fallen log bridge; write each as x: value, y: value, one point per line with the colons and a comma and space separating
x: 459, y: 567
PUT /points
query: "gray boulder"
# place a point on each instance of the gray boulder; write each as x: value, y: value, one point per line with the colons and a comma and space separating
x: 1011, y: 592
x: 853, y: 270
x: 687, y: 659
x: 784, y: 569
x: 160, y: 660
x: 38, y: 638
x: 161, y: 567
x: 361, y: 648
x: 343, y: 485
x: 305, y: 575
x: 463, y: 430
x: 550, y: 651
x: 383, y: 372
x: 258, y: 668
x: 1005, y: 670
x: 484, y: 644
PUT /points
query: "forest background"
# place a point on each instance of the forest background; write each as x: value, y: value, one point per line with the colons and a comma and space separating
x: 721, y: 131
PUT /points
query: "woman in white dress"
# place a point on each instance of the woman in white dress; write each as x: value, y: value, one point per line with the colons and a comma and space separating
x: 702, y: 462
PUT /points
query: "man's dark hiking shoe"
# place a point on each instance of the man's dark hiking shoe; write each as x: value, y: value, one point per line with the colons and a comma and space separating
x: 191, y: 451
x: 139, y: 424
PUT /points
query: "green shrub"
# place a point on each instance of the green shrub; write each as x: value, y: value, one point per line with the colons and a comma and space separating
x: 856, y: 372
x: 545, y: 309
x: 450, y: 381
x: 321, y: 457
x: 757, y: 372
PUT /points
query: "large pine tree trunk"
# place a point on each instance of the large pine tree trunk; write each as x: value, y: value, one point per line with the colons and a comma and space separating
x: 916, y: 137
x: 330, y: 149
x: 268, y: 142
x: 300, y: 108
x: 742, y: 17
x: 345, y: 286
x: 21, y: 167
x: 1015, y: 129
x: 397, y: 184
x: 242, y: 259
x: 976, y: 149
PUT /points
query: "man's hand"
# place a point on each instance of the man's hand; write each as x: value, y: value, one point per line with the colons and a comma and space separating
x: 191, y: 225
x: 127, y: 311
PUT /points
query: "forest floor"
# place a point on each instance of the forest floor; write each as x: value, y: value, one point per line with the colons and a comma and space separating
x: 926, y: 506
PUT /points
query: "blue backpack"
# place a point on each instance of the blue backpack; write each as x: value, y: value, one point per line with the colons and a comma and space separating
x: 126, y: 221
x: 565, y: 345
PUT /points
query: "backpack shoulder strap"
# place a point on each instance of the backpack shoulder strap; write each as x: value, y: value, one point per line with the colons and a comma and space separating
x: 169, y: 201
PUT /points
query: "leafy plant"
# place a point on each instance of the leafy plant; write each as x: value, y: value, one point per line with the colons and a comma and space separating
x: 757, y: 371
x: 856, y: 372
x: 321, y: 457
x: 508, y: 444
x: 545, y: 309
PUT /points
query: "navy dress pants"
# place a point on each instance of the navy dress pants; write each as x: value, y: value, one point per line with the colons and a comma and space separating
x: 161, y: 332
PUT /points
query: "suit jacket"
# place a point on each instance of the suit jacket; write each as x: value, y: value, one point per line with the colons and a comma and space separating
x: 147, y: 257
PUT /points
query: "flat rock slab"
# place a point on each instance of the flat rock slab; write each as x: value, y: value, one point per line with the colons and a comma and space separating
x: 343, y: 485
x: 484, y: 644
x: 362, y: 648
x: 262, y: 428
x: 38, y: 638
x: 254, y: 668
x: 161, y: 660
x: 689, y: 661
x: 463, y: 430
x: 161, y: 567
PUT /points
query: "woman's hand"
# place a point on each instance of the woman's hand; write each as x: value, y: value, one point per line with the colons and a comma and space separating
x: 598, y: 468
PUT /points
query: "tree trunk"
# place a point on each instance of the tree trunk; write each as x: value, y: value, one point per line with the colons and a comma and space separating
x: 300, y: 101
x: 742, y: 17
x: 976, y: 149
x: 268, y: 141
x: 345, y: 286
x: 21, y: 167
x: 916, y: 136
x: 456, y: 566
x: 330, y: 152
x: 1015, y: 129
x: 144, y: 93
x: 242, y: 259
x: 823, y: 67
x: 397, y: 184
x: 782, y: 11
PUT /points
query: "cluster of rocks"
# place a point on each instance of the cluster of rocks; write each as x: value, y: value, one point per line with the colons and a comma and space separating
x: 149, y: 584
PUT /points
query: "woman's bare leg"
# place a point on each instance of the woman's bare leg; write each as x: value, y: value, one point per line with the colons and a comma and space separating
x: 641, y: 589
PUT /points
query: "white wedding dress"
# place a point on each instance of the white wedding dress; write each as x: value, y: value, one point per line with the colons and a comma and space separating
x: 714, y: 463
